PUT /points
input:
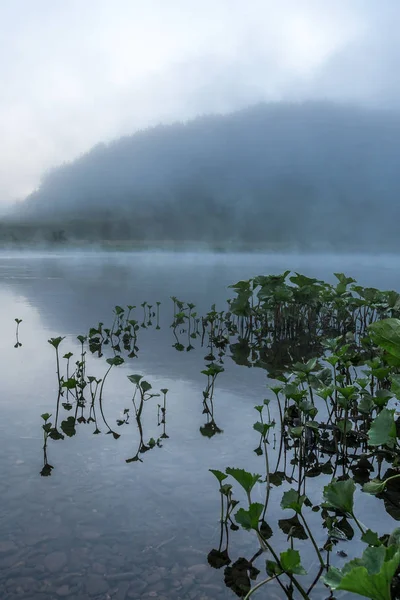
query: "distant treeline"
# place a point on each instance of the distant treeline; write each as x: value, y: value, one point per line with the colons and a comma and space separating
x: 307, y: 175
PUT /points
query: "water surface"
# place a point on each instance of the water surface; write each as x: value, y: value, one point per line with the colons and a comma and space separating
x: 99, y: 527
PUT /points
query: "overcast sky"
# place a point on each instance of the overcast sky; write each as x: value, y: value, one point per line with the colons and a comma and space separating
x: 77, y: 72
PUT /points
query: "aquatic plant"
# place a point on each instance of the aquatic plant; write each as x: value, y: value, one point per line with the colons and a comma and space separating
x: 17, y: 342
x: 334, y: 353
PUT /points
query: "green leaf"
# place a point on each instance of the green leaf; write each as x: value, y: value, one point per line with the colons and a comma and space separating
x: 340, y: 495
x: 262, y: 428
x: 68, y: 426
x: 244, y: 478
x: 386, y: 335
x: 394, y: 539
x: 70, y: 384
x: 382, y: 397
x: 272, y: 568
x: 383, y: 429
x: 218, y: 474
x: 395, y: 387
x: 369, y: 576
x: 116, y: 361
x: 55, y: 342
x: 249, y: 519
x: 293, y: 528
x: 366, y: 404
x: 292, y: 499
x: 374, y: 486
x: 146, y: 386
x: 135, y: 378
x: 296, y: 432
x: 45, y: 416
x: 54, y: 434
x: 344, y: 425
x: 291, y: 562
x: 306, y: 368
x: 266, y: 530
x: 371, y: 538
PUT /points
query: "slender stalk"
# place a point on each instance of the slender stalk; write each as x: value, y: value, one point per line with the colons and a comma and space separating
x: 101, y: 397
x: 257, y: 587
x: 321, y: 560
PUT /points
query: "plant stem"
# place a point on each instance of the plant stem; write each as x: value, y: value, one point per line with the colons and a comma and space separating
x: 321, y: 560
x: 256, y: 587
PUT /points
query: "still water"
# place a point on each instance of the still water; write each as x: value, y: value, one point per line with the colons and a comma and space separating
x: 99, y: 527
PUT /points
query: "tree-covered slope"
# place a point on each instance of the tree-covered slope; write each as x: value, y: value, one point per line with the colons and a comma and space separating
x: 288, y: 174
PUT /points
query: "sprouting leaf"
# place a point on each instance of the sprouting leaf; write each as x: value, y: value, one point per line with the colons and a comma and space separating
x: 55, y: 342
x: 146, y: 386
x: 262, y: 427
x: 135, y: 378
x: 340, y: 495
x: 70, y: 384
x: 45, y: 416
x: 244, y: 478
x: 249, y: 518
x: 116, y: 361
x: 218, y: 474
x: 383, y: 429
x: 369, y: 576
x: 291, y: 562
x: 292, y: 499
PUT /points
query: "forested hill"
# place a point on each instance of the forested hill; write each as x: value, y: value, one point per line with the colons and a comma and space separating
x: 298, y: 175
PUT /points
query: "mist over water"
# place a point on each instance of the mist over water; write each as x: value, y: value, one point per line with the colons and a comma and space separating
x: 154, y: 154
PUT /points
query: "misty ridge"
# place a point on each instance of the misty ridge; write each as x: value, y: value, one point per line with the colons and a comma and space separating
x: 285, y: 176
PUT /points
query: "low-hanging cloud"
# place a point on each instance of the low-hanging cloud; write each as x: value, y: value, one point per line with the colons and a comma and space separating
x: 75, y: 73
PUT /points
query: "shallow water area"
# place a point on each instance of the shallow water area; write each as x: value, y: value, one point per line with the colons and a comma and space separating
x: 99, y: 527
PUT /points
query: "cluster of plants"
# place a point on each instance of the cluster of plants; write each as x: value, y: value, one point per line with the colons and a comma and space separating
x: 332, y: 354
x: 80, y: 396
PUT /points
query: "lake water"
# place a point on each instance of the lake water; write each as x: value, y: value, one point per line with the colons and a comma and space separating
x: 99, y: 527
